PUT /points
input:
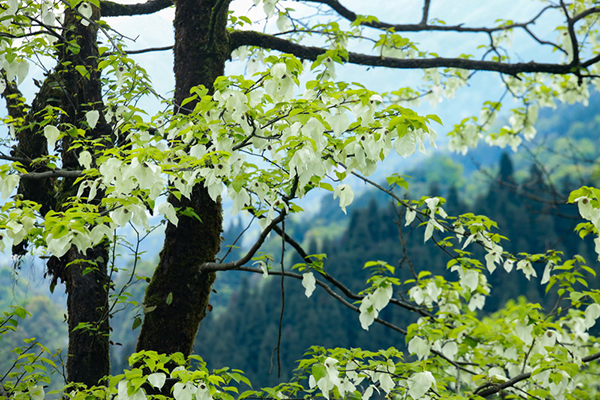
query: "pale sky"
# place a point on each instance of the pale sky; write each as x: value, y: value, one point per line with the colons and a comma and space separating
x: 156, y: 31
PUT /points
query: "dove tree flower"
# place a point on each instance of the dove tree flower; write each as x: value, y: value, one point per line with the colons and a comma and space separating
x: 83, y: 159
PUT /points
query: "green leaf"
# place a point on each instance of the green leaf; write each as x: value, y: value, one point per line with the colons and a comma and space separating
x: 318, y: 371
x: 435, y: 118
x: 169, y: 298
x: 136, y: 322
x: 20, y: 312
x: 82, y: 71
x: 248, y: 393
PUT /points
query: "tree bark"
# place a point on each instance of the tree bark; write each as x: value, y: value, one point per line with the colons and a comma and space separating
x: 85, y: 275
x: 87, y: 304
x: 178, y: 293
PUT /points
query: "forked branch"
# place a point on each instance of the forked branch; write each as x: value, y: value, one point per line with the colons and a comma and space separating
x: 253, y: 38
x: 112, y: 9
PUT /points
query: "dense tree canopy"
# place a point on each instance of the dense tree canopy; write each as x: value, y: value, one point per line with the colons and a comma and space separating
x: 82, y: 160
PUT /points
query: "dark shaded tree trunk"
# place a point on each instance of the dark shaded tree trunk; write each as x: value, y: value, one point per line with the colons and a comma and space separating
x: 87, y: 304
x: 85, y: 275
x: 178, y: 294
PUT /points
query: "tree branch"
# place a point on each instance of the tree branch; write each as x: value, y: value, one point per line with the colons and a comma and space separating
x: 329, y: 290
x: 583, y: 14
x: 22, y: 160
x: 215, y: 266
x: 58, y: 173
x: 422, y: 26
x: 426, y: 5
x: 345, y: 302
x: 253, y: 38
x: 572, y: 34
x: 344, y: 289
x: 521, y: 377
x: 112, y: 9
x: 148, y: 50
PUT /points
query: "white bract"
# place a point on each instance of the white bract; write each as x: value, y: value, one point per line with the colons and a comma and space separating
x: 92, y: 118
x: 419, y: 384
x: 85, y: 9
x: 123, y: 392
x: 373, y: 303
x: 345, y: 194
x: 8, y: 183
x: 309, y: 283
x: 419, y: 347
x: 329, y: 380
x: 52, y: 133
x: 157, y: 379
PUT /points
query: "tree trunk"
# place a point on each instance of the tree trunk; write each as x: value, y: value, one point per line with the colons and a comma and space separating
x: 85, y: 275
x: 178, y: 293
x: 87, y: 304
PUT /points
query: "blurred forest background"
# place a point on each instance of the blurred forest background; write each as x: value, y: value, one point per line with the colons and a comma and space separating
x: 524, y: 193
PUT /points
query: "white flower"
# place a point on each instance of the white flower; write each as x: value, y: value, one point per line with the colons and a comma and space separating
x: 368, y: 312
x: 121, y: 69
x: 203, y: 392
x: 450, y: 349
x: 375, y: 98
x: 469, y: 279
x: 308, y: 281
x: 183, y: 391
x: 547, y: 272
x: 523, y: 332
x: 37, y: 393
x: 386, y: 382
x: 381, y: 297
x: 168, y: 210
x: 587, y: 211
x: 51, y: 132
x: 157, y: 379
x: 419, y: 384
x: 346, y: 195
x: 92, y: 118
x: 405, y: 145
x: 85, y: 9
x: 477, y: 302
x: 339, y: 123
x: 85, y: 159
x: 508, y: 264
x: 411, y: 213
x: 419, y: 347
x: 368, y: 392
x: 592, y: 312
x: 278, y: 70
x: 58, y: 247
x: 8, y: 184
x: 328, y: 381
x: 493, y: 257
x: 416, y: 293
x: 525, y: 266
x: 263, y: 266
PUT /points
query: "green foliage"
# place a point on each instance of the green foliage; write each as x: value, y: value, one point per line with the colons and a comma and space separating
x: 104, y: 164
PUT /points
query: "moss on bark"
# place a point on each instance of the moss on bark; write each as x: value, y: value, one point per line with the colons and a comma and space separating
x: 178, y: 293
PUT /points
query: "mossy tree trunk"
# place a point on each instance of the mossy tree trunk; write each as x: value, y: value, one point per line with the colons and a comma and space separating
x: 178, y: 293
x: 85, y: 275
